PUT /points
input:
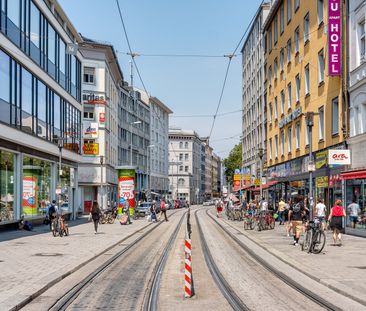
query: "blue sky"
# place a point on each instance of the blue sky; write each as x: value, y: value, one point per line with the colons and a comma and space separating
x: 189, y: 86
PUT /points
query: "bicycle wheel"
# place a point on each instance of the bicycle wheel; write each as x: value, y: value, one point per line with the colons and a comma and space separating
x: 306, y: 245
x: 318, y: 242
x: 110, y: 219
x: 54, y: 231
x: 258, y: 226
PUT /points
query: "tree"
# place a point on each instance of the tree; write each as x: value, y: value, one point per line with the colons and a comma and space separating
x: 232, y: 162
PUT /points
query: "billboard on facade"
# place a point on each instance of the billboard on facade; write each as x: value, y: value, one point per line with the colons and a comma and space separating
x: 29, y: 199
x: 339, y: 157
x: 91, y: 130
x: 91, y: 149
x: 334, y: 37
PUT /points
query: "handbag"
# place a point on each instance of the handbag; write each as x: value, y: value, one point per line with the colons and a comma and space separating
x: 275, y: 215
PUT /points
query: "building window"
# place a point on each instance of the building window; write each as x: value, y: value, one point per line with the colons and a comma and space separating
x: 306, y: 28
x: 275, y: 108
x: 307, y: 80
x: 320, y: 11
x: 289, y: 139
x: 289, y: 96
x: 276, y: 146
x: 270, y: 148
x: 321, y: 66
x: 282, y: 143
x: 321, y: 123
x: 181, y: 168
x: 270, y: 113
x: 289, y: 10
x: 181, y: 181
x: 289, y: 51
x: 275, y: 30
x: 89, y: 113
x: 186, y: 157
x: 282, y: 102
x: 275, y: 68
x: 298, y: 86
x: 89, y: 74
x: 297, y: 4
x: 186, y: 145
x: 335, y: 116
x: 282, y: 18
x: 297, y: 40
x: 270, y: 75
x: 181, y: 145
x: 282, y: 59
x: 186, y: 168
x: 297, y: 133
x: 270, y: 39
x: 361, y: 30
x: 181, y: 157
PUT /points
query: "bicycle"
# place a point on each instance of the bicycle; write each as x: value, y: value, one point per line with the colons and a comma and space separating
x: 248, y: 222
x: 315, y: 238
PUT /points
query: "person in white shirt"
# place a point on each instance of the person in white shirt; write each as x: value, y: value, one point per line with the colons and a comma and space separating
x: 320, y: 210
x: 354, y: 210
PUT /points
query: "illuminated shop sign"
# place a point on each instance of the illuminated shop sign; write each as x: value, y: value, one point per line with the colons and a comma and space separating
x: 334, y: 37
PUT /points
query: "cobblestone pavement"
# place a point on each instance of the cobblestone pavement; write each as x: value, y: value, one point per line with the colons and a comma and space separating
x: 341, y: 268
x: 31, y: 261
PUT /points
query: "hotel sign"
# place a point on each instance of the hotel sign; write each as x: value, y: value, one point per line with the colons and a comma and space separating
x: 292, y: 116
x: 334, y: 37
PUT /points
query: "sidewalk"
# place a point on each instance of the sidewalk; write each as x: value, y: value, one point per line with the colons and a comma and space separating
x: 342, y: 269
x: 33, y: 261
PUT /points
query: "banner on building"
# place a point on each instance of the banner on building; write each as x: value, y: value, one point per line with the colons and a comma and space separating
x: 321, y: 158
x: 91, y: 149
x: 321, y: 182
x: 29, y: 200
x: 126, y: 189
x: 339, y: 157
x: 334, y: 37
x: 91, y: 130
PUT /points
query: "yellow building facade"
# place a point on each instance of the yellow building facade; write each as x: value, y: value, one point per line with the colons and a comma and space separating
x: 297, y: 82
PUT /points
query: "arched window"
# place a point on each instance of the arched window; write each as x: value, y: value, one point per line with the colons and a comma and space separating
x: 181, y: 181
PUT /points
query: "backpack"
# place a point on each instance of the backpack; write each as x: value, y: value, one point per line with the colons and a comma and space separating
x: 52, y: 209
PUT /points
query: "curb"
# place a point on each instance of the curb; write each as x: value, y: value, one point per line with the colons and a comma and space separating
x: 274, y: 252
x: 66, y: 274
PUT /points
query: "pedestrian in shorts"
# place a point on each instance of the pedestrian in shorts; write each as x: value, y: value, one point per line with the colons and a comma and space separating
x: 295, y: 216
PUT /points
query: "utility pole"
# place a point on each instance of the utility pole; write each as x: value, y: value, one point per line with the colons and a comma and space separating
x: 310, y: 123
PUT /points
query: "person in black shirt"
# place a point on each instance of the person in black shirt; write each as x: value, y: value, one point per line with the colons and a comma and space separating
x: 295, y: 215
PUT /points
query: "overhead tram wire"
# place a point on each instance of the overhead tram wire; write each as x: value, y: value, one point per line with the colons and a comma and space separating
x: 177, y: 55
x: 206, y: 115
x: 230, y: 56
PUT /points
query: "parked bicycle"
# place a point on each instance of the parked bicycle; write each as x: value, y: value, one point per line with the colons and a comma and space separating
x: 59, y: 226
x: 248, y: 222
x: 315, y: 238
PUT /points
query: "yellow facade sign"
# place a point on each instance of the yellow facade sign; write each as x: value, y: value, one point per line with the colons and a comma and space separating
x: 321, y: 182
x: 91, y: 149
x: 237, y: 177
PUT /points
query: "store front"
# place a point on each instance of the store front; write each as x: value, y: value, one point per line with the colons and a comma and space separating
x: 355, y: 190
x: 7, y: 186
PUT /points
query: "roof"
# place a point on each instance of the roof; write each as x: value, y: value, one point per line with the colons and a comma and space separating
x: 275, y: 5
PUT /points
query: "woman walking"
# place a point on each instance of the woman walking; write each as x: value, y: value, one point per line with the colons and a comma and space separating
x: 337, y: 212
x: 95, y: 214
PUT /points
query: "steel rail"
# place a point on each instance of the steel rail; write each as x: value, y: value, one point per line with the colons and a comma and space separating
x: 282, y: 276
x: 73, y: 293
x: 235, y: 302
x: 152, y: 301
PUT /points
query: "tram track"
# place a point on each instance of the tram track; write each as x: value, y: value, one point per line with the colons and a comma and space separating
x: 280, y: 275
x: 67, y: 300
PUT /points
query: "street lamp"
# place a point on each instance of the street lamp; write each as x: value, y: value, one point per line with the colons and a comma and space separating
x: 260, y: 154
x: 60, y: 144
x: 101, y: 181
x: 149, y: 165
x: 310, y: 123
x: 136, y: 122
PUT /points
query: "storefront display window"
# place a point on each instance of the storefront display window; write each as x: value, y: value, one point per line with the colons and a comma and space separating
x: 356, y: 191
x: 36, y: 193
x: 6, y: 186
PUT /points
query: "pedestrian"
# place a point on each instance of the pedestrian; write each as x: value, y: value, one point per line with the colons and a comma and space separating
x: 354, y: 211
x: 288, y: 225
x: 281, y: 210
x: 52, y: 212
x: 320, y: 212
x: 295, y: 216
x: 153, y: 211
x: 163, y: 209
x: 95, y: 215
x: 337, y: 212
x: 219, y: 208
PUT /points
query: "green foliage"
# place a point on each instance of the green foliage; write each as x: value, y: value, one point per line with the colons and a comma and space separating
x: 232, y: 162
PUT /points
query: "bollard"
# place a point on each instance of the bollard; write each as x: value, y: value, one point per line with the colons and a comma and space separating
x: 188, y: 279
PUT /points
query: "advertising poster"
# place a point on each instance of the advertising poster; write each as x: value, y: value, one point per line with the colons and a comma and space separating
x: 126, y: 189
x: 91, y: 130
x: 91, y: 149
x: 29, y: 197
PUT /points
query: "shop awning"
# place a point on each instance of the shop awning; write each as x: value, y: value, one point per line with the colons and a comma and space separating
x: 353, y: 175
x: 266, y: 186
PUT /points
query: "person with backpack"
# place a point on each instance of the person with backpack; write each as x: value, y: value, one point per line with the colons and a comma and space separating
x: 163, y: 209
x: 295, y: 216
x: 52, y: 212
x: 95, y: 215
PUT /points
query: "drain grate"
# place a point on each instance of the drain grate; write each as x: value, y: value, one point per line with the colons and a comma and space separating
x: 48, y: 254
x: 362, y: 267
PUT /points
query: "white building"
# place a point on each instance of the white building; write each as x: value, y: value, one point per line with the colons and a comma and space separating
x: 253, y: 101
x: 102, y: 78
x: 159, y: 145
x: 184, y: 164
x: 40, y: 105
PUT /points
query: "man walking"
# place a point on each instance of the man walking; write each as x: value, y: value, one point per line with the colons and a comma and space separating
x: 163, y: 209
x: 354, y: 210
x: 52, y: 212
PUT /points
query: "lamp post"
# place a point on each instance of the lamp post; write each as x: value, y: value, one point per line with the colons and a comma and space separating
x: 260, y: 154
x: 136, y: 122
x: 310, y: 123
x: 101, y: 181
x: 60, y: 144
